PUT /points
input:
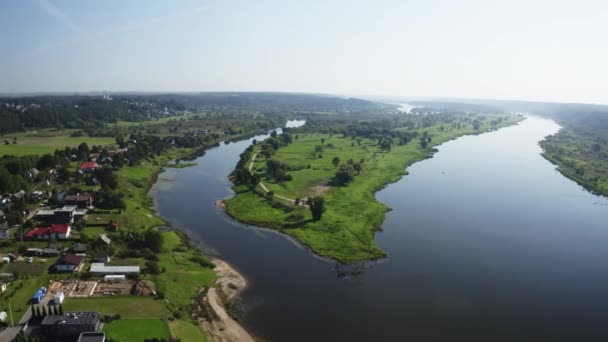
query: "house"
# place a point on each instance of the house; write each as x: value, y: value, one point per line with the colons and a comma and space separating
x: 34, y: 251
x: 101, y: 258
x: 18, y: 195
x: 92, y: 337
x: 55, y: 231
x: 118, y: 278
x: 70, y: 325
x: 79, y: 248
x: 38, y: 194
x: 86, y: 167
x: 66, y: 214
x: 69, y: 263
x: 99, y: 269
x: 81, y: 201
x: 3, y: 286
x: 50, y: 252
x: 4, y: 232
x: 93, y: 157
x: 33, y: 173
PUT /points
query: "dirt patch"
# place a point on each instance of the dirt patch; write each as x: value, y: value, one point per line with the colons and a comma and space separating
x: 142, y: 288
x: 319, y: 190
x: 221, y: 204
x: 85, y: 289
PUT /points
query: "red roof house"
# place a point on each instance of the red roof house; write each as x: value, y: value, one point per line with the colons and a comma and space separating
x: 55, y: 231
x: 88, y: 166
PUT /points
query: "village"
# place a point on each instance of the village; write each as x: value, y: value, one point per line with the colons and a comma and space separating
x: 68, y: 253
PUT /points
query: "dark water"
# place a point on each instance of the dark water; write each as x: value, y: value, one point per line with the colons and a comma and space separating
x: 486, y: 242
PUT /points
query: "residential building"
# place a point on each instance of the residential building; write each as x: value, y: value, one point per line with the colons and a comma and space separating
x: 86, y: 167
x: 55, y: 231
x: 66, y: 214
x: 69, y: 263
x: 69, y: 326
x: 79, y: 248
x: 83, y: 201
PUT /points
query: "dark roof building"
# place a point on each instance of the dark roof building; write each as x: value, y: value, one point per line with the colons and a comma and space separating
x: 81, y: 201
x: 92, y: 337
x: 69, y: 326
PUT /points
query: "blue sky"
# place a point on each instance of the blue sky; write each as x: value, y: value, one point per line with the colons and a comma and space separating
x: 534, y: 50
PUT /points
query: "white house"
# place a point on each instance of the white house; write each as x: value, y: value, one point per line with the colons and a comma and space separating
x: 69, y: 263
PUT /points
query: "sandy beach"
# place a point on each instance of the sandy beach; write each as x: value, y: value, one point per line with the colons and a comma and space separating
x: 230, y: 283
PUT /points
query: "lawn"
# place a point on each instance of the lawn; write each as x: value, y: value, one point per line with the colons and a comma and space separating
x: 346, y: 231
x: 187, y: 332
x: 45, y: 141
x: 136, y: 330
x: 127, y: 306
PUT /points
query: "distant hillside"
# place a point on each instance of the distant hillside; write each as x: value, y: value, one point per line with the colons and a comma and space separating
x: 82, y: 111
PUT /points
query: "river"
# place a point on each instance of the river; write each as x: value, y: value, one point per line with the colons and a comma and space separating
x: 487, y: 242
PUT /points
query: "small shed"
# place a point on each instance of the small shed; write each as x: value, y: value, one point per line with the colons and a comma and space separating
x: 58, y: 299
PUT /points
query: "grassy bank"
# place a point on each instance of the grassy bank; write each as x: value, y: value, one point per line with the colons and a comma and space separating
x: 580, y: 157
x: 346, y: 230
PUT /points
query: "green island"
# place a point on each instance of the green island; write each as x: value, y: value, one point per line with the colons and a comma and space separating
x: 344, y: 163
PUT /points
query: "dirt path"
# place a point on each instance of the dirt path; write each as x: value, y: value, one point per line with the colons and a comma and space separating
x: 266, y: 190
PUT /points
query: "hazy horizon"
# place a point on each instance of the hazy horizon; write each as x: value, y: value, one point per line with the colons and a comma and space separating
x: 540, y: 51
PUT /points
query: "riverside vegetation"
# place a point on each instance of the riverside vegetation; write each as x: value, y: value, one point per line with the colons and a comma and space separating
x: 345, y: 162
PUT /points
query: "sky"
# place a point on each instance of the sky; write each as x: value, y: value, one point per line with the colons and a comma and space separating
x: 548, y: 50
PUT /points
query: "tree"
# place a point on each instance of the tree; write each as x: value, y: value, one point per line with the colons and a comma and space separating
x: 386, y: 144
x: 476, y: 124
x: 357, y: 167
x: 153, y: 267
x: 120, y: 140
x: 335, y: 161
x: 318, y: 149
x: 344, y: 175
x: 317, y: 207
x: 153, y: 240
x: 596, y: 148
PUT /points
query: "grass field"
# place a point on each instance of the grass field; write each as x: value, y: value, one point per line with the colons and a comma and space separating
x: 182, y: 276
x: 131, y: 307
x: 136, y: 330
x: 187, y: 332
x: 45, y: 141
x: 346, y: 231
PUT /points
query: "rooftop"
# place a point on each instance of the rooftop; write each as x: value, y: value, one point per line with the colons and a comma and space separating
x: 72, y: 318
x: 92, y: 337
x: 98, y: 267
x: 72, y: 259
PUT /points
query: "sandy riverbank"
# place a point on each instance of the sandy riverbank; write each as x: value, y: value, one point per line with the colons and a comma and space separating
x: 230, y: 283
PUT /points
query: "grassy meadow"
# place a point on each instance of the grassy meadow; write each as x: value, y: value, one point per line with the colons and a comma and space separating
x: 346, y: 230
x: 45, y: 141
x: 136, y: 330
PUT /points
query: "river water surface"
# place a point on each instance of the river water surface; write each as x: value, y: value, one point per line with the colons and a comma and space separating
x: 487, y: 242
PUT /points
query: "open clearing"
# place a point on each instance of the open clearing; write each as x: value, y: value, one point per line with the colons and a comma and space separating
x: 45, y: 141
